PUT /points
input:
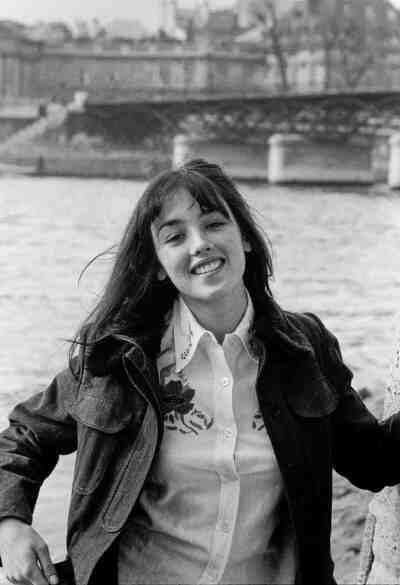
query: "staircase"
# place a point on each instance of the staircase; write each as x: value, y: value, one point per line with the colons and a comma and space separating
x: 54, y: 118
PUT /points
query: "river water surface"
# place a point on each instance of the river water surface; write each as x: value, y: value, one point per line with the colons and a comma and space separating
x: 336, y: 252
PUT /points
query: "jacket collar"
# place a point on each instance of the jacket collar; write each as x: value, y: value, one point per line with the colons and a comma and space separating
x: 185, y: 333
x: 271, y: 327
x: 306, y: 389
x: 285, y: 342
x: 276, y: 330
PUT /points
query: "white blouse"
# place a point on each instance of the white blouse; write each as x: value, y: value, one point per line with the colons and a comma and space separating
x: 210, y: 504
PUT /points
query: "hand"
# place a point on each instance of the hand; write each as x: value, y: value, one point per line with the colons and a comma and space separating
x: 25, y: 555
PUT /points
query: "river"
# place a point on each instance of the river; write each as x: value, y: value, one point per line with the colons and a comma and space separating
x: 336, y: 253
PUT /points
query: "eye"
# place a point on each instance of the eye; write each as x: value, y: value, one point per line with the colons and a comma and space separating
x: 216, y: 223
x: 173, y: 238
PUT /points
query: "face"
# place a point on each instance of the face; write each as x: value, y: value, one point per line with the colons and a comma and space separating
x: 202, y: 253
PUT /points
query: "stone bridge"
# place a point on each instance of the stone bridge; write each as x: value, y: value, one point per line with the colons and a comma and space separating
x: 162, y: 99
x: 337, y: 137
x: 234, y: 93
x: 249, y: 115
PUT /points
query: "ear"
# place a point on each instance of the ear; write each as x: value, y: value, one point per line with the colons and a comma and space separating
x: 247, y: 246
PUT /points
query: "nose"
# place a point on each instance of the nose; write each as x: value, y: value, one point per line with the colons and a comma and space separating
x: 199, y: 243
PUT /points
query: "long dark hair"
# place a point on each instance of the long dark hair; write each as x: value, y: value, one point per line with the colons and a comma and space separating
x: 134, y: 301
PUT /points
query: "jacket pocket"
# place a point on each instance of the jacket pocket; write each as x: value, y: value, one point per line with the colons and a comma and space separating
x: 94, y: 455
x: 315, y: 399
x: 102, y: 404
x: 128, y: 478
x: 103, y: 412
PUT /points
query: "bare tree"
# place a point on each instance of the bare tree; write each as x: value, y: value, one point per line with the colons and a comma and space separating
x: 327, y: 32
x: 357, y: 53
x: 349, y: 49
x: 349, y: 46
x: 275, y: 39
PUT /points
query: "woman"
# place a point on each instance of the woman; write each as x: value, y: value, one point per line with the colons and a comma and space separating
x: 380, y: 555
x: 205, y: 418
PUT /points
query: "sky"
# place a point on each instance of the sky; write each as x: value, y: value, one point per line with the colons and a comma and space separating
x: 29, y: 11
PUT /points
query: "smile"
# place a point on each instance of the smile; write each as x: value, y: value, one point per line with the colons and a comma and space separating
x: 207, y: 267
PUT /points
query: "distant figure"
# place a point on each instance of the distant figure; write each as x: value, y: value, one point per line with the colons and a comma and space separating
x: 40, y: 165
x: 206, y: 419
x: 42, y: 110
x: 380, y: 555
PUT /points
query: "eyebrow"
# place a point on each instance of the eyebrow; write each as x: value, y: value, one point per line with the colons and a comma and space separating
x: 169, y: 223
x: 176, y: 222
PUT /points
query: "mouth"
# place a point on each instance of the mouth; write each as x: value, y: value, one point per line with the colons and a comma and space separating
x: 208, y: 266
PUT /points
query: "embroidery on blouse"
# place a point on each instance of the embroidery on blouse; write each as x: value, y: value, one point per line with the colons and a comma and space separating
x: 258, y: 422
x: 185, y: 353
x: 177, y: 403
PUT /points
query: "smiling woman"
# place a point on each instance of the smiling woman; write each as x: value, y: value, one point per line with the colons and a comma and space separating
x: 202, y: 252
x: 206, y: 420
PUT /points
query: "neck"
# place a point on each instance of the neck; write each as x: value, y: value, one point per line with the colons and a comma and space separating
x: 220, y: 317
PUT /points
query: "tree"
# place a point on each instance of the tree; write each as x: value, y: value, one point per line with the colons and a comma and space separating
x: 348, y: 38
x: 355, y: 54
x: 275, y: 39
x: 348, y: 50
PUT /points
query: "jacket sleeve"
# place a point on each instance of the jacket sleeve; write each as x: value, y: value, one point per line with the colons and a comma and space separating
x: 364, y: 450
x: 40, y: 429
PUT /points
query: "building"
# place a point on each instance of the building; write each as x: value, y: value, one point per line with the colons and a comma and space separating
x: 200, y: 26
x: 247, y: 10
x: 50, y: 33
x: 324, y: 44
x: 18, y: 54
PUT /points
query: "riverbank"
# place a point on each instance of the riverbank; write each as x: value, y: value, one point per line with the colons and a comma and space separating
x: 92, y: 158
x: 46, y: 161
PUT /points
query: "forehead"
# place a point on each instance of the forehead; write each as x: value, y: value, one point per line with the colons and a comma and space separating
x: 181, y: 203
x: 176, y: 203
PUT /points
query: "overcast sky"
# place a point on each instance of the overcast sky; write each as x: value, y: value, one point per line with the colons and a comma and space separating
x: 71, y: 10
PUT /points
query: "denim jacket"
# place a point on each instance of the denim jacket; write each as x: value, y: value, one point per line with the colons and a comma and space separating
x: 113, y: 420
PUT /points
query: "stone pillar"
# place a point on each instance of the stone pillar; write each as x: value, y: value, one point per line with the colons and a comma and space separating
x: 297, y: 159
x: 241, y: 161
x: 380, y: 159
x: 394, y: 161
x: 180, y: 150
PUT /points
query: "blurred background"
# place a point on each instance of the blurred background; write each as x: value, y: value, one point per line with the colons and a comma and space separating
x: 298, y: 100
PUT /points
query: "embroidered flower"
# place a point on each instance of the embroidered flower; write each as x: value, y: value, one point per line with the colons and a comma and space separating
x: 258, y: 421
x: 176, y: 398
x: 179, y: 410
x: 185, y: 353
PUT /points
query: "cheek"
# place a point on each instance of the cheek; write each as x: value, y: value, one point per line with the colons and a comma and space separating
x: 162, y: 265
x: 238, y: 246
x: 170, y: 263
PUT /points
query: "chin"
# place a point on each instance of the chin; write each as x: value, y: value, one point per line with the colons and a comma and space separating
x: 217, y: 294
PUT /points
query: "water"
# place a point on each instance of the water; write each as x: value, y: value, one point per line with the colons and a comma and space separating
x: 337, y: 253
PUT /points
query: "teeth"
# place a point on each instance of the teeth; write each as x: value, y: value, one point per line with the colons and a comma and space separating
x: 209, y: 267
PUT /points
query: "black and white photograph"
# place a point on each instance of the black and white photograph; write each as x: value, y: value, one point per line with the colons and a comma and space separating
x: 200, y: 292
